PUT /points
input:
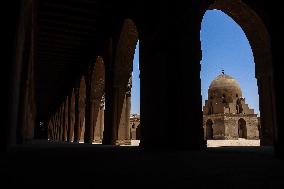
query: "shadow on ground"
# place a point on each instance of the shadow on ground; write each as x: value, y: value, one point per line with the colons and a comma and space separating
x: 92, y: 166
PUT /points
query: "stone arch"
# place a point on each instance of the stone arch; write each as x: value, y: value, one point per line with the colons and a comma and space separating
x: 82, y: 104
x: 123, y: 66
x: 125, y: 53
x: 242, y: 128
x: 259, y: 40
x: 209, y: 129
x: 97, y: 93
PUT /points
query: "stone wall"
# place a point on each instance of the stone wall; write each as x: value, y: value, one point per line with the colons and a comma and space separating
x: 134, y: 124
x: 225, y: 126
x: 231, y: 127
x: 252, y: 127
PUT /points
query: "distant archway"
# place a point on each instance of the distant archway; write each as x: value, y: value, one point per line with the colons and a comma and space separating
x: 259, y: 40
x: 209, y: 129
x: 122, y: 83
x: 242, y: 128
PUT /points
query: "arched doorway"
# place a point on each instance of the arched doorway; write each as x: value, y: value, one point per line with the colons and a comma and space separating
x: 122, y: 83
x: 259, y: 40
x: 242, y: 128
x: 209, y: 129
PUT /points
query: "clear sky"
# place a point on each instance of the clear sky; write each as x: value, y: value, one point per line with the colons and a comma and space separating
x: 135, y: 93
x: 224, y: 46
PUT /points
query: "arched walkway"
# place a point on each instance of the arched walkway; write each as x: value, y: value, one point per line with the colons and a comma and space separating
x: 123, y: 66
x: 259, y: 39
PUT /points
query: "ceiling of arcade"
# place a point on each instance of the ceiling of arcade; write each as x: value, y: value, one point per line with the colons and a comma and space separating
x: 68, y: 37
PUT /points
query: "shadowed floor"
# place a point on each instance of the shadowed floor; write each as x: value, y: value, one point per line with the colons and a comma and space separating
x: 89, y: 166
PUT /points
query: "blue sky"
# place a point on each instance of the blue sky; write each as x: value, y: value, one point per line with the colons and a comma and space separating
x: 224, y: 46
x: 135, y: 93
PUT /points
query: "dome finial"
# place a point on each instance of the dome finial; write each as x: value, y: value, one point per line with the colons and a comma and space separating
x: 223, y: 72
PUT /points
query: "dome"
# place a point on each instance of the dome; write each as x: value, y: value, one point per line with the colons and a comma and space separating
x: 224, y: 86
x: 224, y: 81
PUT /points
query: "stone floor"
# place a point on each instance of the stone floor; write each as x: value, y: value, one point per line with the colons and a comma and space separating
x: 46, y: 165
x: 218, y: 143
x: 239, y: 142
x: 210, y: 143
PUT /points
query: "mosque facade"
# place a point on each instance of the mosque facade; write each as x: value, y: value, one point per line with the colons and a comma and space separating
x: 226, y: 115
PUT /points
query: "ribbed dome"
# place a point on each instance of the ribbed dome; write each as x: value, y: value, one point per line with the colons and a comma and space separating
x: 224, y: 86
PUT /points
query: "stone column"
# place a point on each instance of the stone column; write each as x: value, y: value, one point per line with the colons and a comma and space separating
x: 52, y: 131
x: 65, y: 119
x: 279, y: 100
x: 58, y: 124
x: 88, y: 136
x: 108, y: 119
x: 82, y: 130
x: 61, y: 124
x: 277, y: 86
x: 49, y: 130
x: 191, y: 133
x: 54, y: 128
x: 97, y: 92
x: 171, y: 107
x: 82, y: 105
x: 55, y: 125
x: 77, y: 121
x: 120, y: 135
x: 71, y: 117
x: 115, y: 121
x: 267, y: 113
x: 98, y: 130
x: 102, y: 116
x: 123, y: 136
x: 127, y: 112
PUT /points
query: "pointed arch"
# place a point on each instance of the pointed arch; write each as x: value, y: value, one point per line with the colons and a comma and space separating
x: 123, y: 66
x: 259, y: 39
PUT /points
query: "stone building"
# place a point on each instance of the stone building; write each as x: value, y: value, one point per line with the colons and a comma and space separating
x: 225, y: 114
x: 134, y: 125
